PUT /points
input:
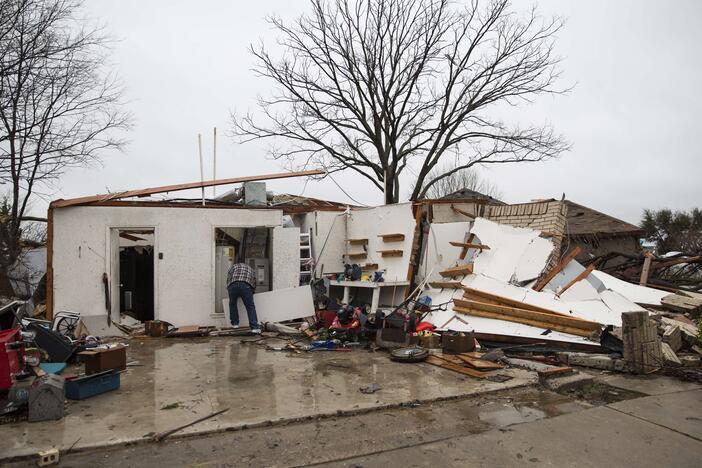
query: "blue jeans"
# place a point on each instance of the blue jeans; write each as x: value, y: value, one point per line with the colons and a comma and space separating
x: 243, y: 290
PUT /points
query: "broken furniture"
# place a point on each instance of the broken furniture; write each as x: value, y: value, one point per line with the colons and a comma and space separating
x: 46, y: 398
x: 11, y: 356
x: 99, y: 360
x: 58, y: 347
x: 91, y: 385
x: 376, y: 287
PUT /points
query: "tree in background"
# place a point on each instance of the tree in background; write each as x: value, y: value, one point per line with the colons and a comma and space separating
x: 381, y: 87
x: 464, y: 179
x: 59, y: 105
x: 678, y: 231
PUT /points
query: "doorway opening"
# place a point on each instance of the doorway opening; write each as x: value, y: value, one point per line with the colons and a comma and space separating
x: 241, y: 245
x: 136, y: 273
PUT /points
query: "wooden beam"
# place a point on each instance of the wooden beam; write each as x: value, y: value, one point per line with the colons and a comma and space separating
x: 524, y: 321
x: 461, y: 212
x: 583, y: 274
x: 50, y: 264
x: 437, y: 361
x: 646, y: 268
x: 464, y: 251
x: 480, y: 364
x: 558, y: 267
x: 177, y: 187
x: 446, y: 285
x: 357, y: 241
x: 529, y: 314
x: 460, y: 270
x: 468, y: 245
x: 676, y: 261
x: 485, y: 297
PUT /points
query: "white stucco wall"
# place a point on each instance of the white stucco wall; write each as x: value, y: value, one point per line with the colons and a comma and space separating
x: 184, y: 282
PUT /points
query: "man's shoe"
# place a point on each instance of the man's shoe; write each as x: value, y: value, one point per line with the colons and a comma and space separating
x: 256, y: 331
x: 235, y: 326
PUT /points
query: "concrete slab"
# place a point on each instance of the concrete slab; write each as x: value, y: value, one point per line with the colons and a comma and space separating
x: 647, y: 384
x: 681, y: 412
x: 593, y: 438
x: 181, y: 380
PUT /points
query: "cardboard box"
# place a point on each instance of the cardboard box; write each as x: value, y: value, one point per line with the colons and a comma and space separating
x: 458, y: 343
x: 104, y: 359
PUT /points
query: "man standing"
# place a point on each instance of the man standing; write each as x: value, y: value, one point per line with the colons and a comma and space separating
x: 241, y: 283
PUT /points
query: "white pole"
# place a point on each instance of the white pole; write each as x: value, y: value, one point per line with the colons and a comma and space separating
x: 202, y: 173
x: 214, y: 163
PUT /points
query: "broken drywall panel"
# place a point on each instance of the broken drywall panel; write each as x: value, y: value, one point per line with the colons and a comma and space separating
x: 286, y: 257
x: 515, y: 255
x: 579, y: 291
x: 439, y: 253
x: 633, y: 292
x: 618, y: 303
x: 277, y: 306
x: 445, y: 212
x: 328, y: 242
x: 594, y: 310
x: 370, y: 223
x: 463, y: 322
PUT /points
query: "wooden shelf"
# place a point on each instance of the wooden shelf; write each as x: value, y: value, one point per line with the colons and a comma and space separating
x: 460, y: 270
x: 369, y: 266
x: 358, y: 256
x: 391, y: 253
x: 392, y: 237
x: 357, y: 241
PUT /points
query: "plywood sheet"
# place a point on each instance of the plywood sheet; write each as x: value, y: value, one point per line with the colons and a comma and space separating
x: 278, y: 305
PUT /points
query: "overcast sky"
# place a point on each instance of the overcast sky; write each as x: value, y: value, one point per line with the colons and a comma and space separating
x: 633, y: 117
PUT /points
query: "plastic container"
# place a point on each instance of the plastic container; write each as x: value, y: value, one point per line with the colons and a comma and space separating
x: 91, y: 385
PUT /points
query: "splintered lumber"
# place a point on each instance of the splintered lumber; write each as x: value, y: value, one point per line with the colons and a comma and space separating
x: 648, y: 257
x: 358, y: 256
x: 479, y: 364
x: 439, y: 362
x: 524, y: 321
x: 390, y: 253
x: 446, y: 285
x: 465, y: 249
x: 485, y: 297
x: 460, y: 270
x: 395, y: 237
x: 469, y: 245
x: 357, y: 241
x: 529, y: 314
x: 558, y: 267
x: 583, y: 274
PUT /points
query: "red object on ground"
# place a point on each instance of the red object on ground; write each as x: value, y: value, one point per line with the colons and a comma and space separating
x: 326, y: 317
x: 421, y: 326
x: 11, y: 360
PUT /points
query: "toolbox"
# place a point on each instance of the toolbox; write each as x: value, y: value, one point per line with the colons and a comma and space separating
x: 99, y: 360
x: 91, y: 385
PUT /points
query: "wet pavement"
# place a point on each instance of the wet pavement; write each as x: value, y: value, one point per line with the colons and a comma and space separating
x: 180, y: 380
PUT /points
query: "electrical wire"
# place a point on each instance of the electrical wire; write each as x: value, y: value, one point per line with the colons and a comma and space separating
x: 346, y: 193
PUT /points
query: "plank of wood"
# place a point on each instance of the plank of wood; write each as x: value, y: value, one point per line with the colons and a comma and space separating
x: 357, y: 241
x: 391, y: 253
x: 546, y: 373
x: 485, y: 297
x: 558, y: 267
x: 469, y: 245
x: 583, y: 274
x: 173, y: 188
x: 436, y: 361
x: 461, y: 212
x: 646, y: 268
x: 358, y: 256
x: 479, y: 363
x: 524, y: 321
x: 395, y: 237
x: 369, y: 266
x: 446, y: 285
x: 464, y: 251
x: 529, y: 314
x: 460, y: 270
x: 188, y: 329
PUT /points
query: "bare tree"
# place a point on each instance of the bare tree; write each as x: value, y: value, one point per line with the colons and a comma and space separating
x: 59, y: 105
x: 380, y: 86
x: 463, y: 179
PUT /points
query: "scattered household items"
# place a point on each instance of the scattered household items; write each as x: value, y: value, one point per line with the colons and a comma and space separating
x: 414, y: 354
x: 458, y: 342
x: 11, y: 356
x: 87, y: 386
x: 156, y: 328
x: 46, y: 397
x: 106, y: 357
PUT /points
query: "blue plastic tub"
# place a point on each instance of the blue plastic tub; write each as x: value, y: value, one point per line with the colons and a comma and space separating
x: 91, y: 385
